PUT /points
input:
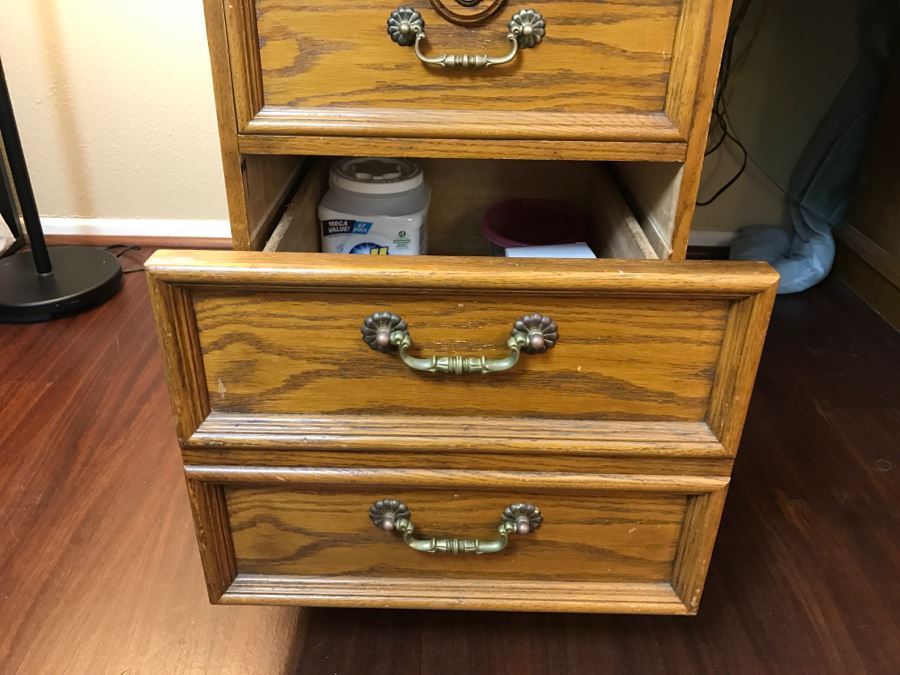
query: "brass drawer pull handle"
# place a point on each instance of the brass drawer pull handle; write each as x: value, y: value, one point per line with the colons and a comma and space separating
x: 392, y: 515
x: 532, y: 334
x: 407, y: 27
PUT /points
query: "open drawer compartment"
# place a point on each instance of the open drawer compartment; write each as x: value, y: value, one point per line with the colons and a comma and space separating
x: 462, y: 190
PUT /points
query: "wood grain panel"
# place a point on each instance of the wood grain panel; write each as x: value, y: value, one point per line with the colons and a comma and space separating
x: 608, y: 543
x: 623, y: 278
x: 585, y: 536
x: 177, y: 331
x: 463, y: 148
x: 457, y: 594
x: 617, y: 233
x: 431, y: 434
x: 298, y: 228
x: 747, y: 322
x: 227, y: 117
x: 273, y: 352
x: 409, y: 478
x: 628, y: 70
x: 275, y: 342
x: 695, y: 547
x: 268, y: 182
x: 211, y: 525
x: 652, y: 189
x: 484, y: 460
x: 611, y: 56
x: 690, y: 107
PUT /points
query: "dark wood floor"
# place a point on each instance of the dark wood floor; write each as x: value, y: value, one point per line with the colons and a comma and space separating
x: 99, y: 572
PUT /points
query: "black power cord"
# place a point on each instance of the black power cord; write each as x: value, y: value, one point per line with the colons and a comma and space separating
x: 734, y: 179
x: 125, y: 248
x: 720, y: 118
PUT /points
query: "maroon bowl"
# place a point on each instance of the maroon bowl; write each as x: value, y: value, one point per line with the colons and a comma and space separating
x: 532, y: 222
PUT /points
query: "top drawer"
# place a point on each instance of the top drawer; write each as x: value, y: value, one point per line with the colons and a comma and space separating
x: 623, y: 70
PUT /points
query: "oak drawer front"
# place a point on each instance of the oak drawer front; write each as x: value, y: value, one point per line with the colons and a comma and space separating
x: 292, y: 352
x: 266, y: 349
x: 605, y: 71
x: 635, y: 544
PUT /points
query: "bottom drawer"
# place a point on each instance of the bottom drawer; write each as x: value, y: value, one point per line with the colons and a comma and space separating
x: 596, y: 543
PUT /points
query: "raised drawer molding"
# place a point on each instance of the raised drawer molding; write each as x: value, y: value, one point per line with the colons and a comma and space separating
x: 581, y: 462
x: 625, y: 71
x: 623, y: 434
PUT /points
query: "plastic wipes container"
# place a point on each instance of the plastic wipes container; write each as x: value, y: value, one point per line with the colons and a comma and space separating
x: 375, y: 206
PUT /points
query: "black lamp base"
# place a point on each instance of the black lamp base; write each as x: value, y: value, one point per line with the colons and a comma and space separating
x: 82, y: 277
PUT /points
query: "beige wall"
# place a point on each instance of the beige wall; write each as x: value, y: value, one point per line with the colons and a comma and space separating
x: 802, y: 51
x: 115, y: 108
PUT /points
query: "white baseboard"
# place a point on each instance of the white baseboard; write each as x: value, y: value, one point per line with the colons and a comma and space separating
x: 220, y: 229
x: 137, y: 227
x: 711, y: 238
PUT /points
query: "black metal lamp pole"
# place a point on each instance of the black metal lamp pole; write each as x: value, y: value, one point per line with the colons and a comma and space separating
x: 56, y: 281
x: 19, y: 171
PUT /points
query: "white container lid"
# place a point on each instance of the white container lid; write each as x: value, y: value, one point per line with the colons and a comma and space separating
x: 375, y: 175
x: 577, y: 250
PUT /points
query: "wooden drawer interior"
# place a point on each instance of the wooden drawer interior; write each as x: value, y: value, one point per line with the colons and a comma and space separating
x: 629, y: 206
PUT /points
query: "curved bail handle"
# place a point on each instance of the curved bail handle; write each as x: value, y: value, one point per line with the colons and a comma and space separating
x: 388, y: 332
x: 392, y: 515
x: 406, y: 27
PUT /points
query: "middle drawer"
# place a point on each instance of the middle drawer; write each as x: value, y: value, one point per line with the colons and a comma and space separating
x: 275, y: 350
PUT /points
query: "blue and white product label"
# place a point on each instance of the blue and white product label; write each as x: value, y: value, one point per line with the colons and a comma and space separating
x: 379, y: 235
x: 344, y: 226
